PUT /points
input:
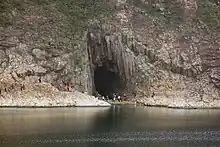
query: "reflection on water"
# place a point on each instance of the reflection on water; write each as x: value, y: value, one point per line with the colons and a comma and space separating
x: 116, y: 126
x: 170, y: 118
x: 47, y: 120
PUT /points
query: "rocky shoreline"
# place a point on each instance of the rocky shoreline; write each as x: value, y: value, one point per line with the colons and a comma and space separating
x: 45, y: 95
x: 178, y: 103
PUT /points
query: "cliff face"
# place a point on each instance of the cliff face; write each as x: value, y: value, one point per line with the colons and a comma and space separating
x: 157, y: 53
x: 43, y: 38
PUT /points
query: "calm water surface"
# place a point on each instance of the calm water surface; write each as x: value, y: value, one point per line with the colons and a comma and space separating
x: 115, y: 126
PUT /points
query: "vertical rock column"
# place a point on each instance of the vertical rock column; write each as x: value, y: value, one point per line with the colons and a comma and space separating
x: 102, y: 47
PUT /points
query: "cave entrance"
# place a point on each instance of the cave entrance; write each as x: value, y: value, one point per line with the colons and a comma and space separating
x: 107, y: 80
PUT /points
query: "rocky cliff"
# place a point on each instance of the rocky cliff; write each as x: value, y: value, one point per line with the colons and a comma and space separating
x: 158, y: 52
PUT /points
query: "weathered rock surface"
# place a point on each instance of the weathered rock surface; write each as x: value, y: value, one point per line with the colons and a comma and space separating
x: 45, y: 95
x: 171, y: 66
x: 165, y: 52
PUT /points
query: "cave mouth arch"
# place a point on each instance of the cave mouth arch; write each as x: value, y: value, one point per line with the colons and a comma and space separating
x: 107, y: 80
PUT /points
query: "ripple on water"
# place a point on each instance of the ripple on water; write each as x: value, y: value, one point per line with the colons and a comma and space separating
x: 113, y: 137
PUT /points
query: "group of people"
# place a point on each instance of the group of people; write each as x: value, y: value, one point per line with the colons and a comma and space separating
x: 114, y: 97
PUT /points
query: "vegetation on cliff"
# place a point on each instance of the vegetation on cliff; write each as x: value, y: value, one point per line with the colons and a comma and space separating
x: 171, y: 13
x: 173, y: 44
x: 77, y: 11
x: 209, y: 13
x: 52, y: 28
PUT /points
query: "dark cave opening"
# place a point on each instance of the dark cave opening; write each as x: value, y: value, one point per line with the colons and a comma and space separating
x: 107, y: 81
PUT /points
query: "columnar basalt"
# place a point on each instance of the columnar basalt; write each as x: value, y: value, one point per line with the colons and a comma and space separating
x: 107, y: 50
x: 162, y: 53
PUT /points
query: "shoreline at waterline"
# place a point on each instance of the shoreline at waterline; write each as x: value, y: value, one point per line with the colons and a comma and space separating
x: 44, y: 95
x: 109, y: 104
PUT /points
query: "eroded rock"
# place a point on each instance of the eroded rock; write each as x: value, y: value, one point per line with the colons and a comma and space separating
x: 164, y: 51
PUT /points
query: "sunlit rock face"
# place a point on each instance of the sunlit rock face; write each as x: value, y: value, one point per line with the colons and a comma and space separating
x: 110, y: 61
x: 37, y: 42
x: 173, y: 63
x: 158, y: 52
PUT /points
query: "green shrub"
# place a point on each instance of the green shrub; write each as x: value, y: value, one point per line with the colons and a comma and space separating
x: 6, y: 7
x: 209, y: 14
x: 80, y: 11
x: 170, y: 16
